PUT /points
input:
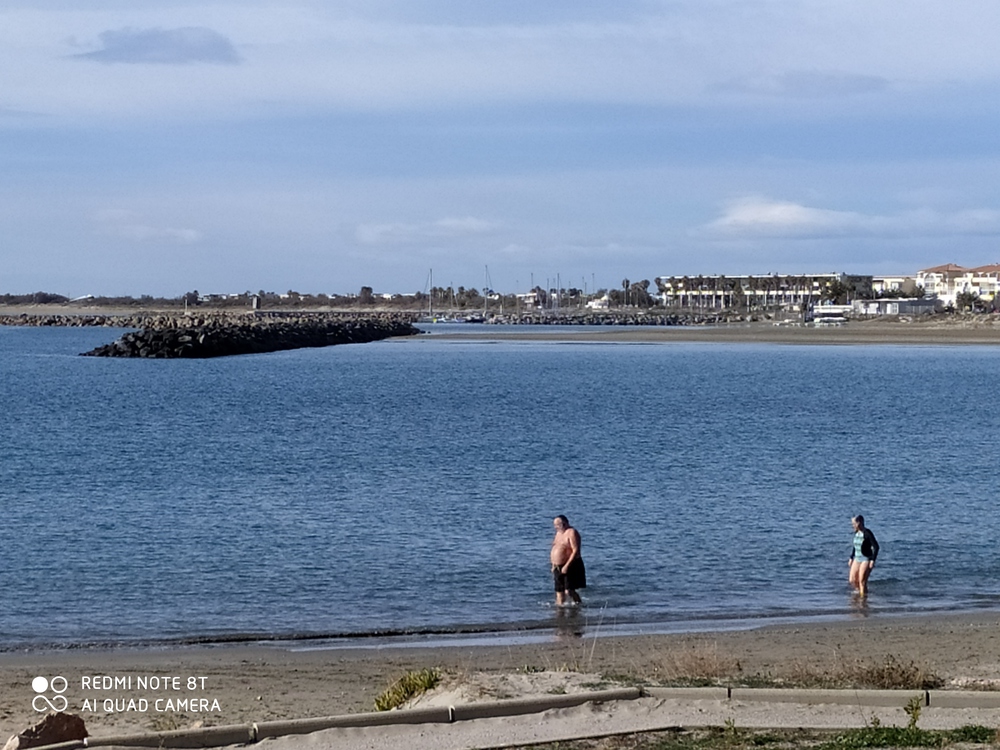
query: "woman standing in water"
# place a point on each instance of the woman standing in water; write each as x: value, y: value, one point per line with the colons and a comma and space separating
x: 863, y: 555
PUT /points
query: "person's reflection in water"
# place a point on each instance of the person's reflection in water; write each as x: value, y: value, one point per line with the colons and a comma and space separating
x: 568, y: 623
x: 859, y: 605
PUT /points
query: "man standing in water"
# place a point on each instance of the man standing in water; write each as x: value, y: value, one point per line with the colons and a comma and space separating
x: 568, y: 572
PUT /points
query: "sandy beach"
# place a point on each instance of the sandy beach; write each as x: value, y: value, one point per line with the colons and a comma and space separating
x: 261, y: 682
x: 939, y: 331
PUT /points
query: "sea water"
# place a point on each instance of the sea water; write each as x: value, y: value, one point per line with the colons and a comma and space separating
x: 409, y: 486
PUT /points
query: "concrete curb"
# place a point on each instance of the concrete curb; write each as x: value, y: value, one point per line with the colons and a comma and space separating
x: 437, y: 715
x: 517, y: 706
x: 890, y: 698
x: 963, y: 699
x: 241, y: 734
x: 232, y: 734
x: 688, y: 693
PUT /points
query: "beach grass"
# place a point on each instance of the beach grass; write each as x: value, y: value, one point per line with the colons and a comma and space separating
x: 706, y: 665
x: 406, y: 687
x: 731, y: 737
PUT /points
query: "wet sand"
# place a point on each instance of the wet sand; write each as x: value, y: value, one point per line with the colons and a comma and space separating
x: 264, y: 682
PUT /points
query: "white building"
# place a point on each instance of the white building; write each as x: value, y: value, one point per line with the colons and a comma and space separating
x: 948, y: 281
x: 895, y: 306
x: 893, y: 284
x: 787, y: 291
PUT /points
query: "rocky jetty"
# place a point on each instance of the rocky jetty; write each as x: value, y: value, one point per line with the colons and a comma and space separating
x: 138, y: 320
x: 223, y: 336
x: 616, y: 319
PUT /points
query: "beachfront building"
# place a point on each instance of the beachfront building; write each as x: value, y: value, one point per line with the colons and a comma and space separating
x: 947, y: 282
x: 985, y: 282
x: 942, y: 282
x: 895, y: 306
x: 600, y: 303
x: 895, y: 286
x: 529, y: 300
x: 773, y: 291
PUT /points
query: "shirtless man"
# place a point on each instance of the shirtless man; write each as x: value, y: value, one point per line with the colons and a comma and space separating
x: 568, y: 572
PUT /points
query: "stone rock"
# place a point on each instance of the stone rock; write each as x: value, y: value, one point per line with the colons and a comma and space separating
x: 55, y: 727
x: 227, y: 336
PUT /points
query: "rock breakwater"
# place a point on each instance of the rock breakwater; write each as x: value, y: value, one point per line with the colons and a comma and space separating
x: 618, y: 319
x: 223, y: 336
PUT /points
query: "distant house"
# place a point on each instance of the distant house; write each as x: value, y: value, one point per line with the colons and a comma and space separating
x: 893, y: 284
x: 602, y: 303
x: 896, y: 306
x: 529, y: 299
x: 944, y: 282
x: 985, y: 281
x: 829, y: 313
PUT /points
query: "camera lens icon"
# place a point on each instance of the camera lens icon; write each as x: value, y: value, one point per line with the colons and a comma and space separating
x: 42, y: 702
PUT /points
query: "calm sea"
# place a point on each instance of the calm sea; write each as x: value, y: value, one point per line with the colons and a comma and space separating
x: 409, y: 486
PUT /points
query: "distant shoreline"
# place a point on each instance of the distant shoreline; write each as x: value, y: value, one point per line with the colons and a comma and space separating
x: 939, y: 332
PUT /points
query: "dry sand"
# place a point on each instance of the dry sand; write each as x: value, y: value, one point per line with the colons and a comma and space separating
x: 266, y: 682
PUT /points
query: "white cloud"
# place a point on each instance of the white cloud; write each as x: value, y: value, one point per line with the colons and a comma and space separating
x: 128, y: 226
x: 762, y: 217
x: 401, y: 234
x: 337, y: 55
x: 181, y: 46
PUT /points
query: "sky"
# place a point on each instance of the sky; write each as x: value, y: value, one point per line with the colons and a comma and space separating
x: 321, y: 146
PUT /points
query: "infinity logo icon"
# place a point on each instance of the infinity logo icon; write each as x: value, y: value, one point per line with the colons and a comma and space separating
x: 41, y: 685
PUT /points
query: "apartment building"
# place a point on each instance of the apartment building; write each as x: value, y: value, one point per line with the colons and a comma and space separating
x: 948, y: 281
x: 761, y: 292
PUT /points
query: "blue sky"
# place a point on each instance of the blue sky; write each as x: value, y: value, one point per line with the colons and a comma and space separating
x: 160, y: 147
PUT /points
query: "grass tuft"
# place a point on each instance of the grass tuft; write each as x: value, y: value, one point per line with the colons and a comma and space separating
x: 888, y: 673
x: 408, y: 686
x: 892, y: 673
x: 728, y: 737
x: 698, y: 665
x: 974, y: 733
x: 704, y: 665
x: 878, y: 736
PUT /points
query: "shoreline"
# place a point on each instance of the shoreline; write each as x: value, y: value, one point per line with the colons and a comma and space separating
x: 956, y: 332
x: 566, y: 623
x: 256, y: 682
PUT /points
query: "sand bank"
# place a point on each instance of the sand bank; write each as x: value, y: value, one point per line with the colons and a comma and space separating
x: 269, y: 682
x: 978, y: 330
